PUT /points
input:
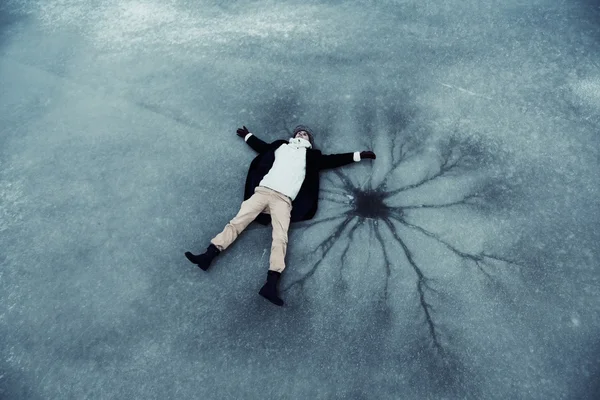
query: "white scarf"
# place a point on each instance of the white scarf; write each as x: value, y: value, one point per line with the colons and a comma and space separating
x: 298, y: 143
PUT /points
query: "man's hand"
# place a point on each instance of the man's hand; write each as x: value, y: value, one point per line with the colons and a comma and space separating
x: 242, y: 132
x: 367, y: 154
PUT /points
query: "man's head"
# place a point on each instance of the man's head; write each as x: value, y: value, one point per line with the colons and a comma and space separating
x: 303, y: 132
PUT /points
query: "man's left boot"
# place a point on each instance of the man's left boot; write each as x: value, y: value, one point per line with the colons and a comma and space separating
x: 269, y: 289
x: 203, y: 260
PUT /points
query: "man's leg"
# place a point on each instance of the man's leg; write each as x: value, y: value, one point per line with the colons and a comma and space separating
x: 281, y: 208
x: 249, y: 210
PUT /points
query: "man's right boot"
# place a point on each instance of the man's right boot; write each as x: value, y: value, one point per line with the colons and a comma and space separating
x: 203, y: 260
x: 269, y: 289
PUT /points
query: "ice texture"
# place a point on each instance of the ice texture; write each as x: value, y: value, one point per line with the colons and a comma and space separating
x: 462, y: 263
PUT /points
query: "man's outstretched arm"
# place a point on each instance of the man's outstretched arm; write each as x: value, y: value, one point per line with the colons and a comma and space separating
x: 257, y: 145
x: 328, y: 161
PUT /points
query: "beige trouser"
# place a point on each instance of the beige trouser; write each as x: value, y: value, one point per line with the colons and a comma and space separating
x: 268, y: 201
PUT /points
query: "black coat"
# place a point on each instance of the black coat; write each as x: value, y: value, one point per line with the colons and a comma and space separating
x: 304, y: 206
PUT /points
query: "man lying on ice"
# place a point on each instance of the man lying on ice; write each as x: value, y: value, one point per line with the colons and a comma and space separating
x: 283, y: 181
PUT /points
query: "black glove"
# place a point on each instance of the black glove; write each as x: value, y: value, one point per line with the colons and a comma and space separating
x: 242, y: 132
x: 367, y: 154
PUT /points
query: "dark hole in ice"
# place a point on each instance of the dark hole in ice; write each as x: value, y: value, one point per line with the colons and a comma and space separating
x: 370, y: 204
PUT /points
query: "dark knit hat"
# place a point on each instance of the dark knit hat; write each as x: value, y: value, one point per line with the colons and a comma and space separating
x: 306, y: 129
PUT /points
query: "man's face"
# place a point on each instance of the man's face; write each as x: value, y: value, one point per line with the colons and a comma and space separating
x: 302, y: 135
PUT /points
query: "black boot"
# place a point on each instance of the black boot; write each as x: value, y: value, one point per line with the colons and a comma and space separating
x: 204, y: 260
x: 269, y: 289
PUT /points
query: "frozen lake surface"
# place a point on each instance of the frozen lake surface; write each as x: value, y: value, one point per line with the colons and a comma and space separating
x: 462, y: 263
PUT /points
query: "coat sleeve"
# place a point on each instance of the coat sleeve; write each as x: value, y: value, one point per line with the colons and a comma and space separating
x: 257, y: 145
x: 328, y: 161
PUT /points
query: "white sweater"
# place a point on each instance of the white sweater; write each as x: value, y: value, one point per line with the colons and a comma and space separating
x: 289, y: 169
